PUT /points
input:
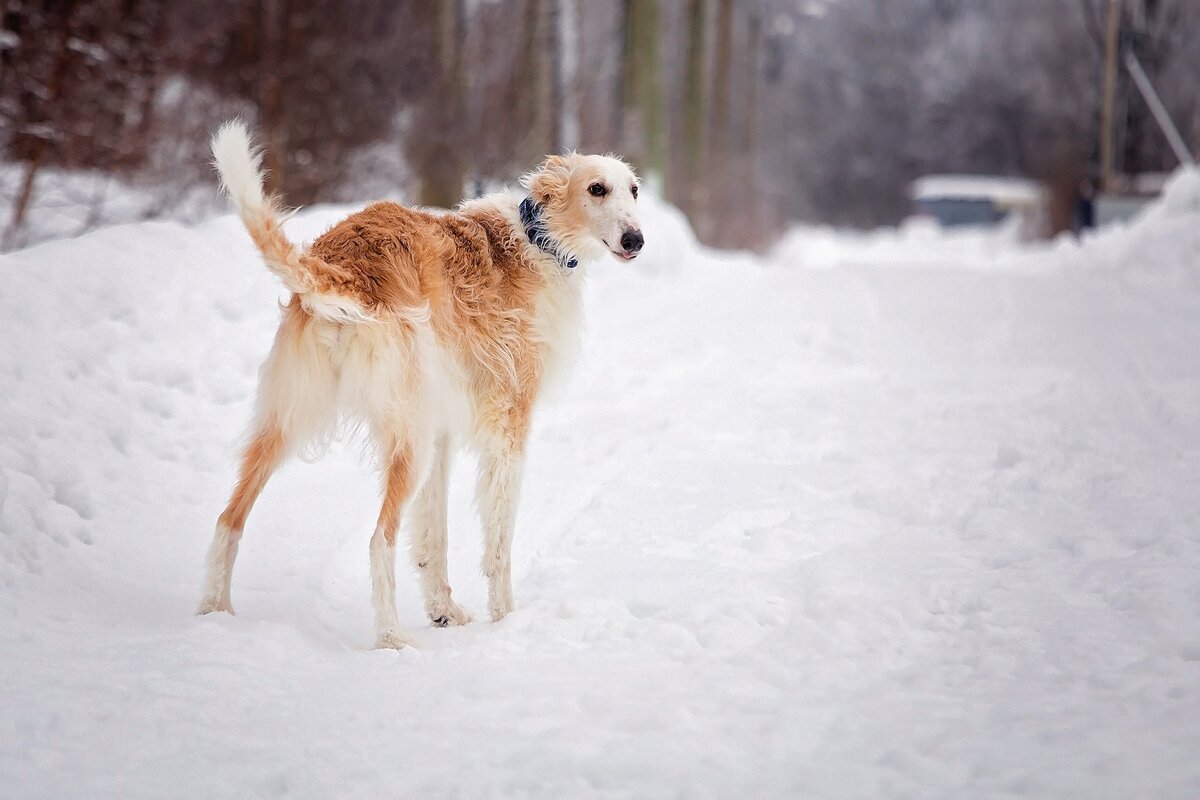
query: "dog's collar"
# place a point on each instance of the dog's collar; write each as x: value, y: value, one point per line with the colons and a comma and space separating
x: 539, y: 235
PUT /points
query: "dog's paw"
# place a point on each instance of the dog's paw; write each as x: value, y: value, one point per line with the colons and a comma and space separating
x: 501, y: 609
x: 450, y: 614
x: 391, y: 640
x: 210, y: 604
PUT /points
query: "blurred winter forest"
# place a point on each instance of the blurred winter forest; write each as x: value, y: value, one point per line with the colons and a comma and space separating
x: 748, y: 115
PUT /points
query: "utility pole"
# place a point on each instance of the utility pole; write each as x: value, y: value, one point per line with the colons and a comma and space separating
x: 1108, y: 110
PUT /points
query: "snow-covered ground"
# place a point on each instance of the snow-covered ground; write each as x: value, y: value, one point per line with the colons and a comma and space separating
x: 899, y: 515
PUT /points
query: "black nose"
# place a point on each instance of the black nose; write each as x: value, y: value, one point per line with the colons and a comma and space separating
x: 632, y: 241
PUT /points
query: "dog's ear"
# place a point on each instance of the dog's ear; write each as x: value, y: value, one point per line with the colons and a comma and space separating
x: 548, y: 183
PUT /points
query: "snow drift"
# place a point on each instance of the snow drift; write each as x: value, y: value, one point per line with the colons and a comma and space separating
x: 920, y: 523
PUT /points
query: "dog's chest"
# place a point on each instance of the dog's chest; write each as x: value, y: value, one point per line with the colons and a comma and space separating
x: 558, y: 320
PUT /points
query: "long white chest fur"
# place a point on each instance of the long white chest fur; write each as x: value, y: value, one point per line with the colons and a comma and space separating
x: 450, y: 403
x: 558, y: 320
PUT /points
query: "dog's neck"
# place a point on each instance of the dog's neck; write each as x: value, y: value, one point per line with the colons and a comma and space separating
x: 532, y: 218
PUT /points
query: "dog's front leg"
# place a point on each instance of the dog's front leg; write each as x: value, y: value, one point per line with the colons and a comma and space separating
x: 428, y: 548
x: 496, y: 494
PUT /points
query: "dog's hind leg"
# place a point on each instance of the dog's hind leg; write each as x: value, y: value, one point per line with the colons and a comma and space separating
x: 401, y: 471
x: 428, y: 545
x: 261, y: 458
x: 296, y: 404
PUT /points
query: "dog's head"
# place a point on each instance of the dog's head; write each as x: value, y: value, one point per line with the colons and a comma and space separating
x: 590, y: 204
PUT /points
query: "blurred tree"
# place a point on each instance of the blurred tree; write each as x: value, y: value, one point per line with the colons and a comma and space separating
x: 76, y: 88
x: 436, y: 151
x: 712, y: 218
x: 686, y: 187
x: 322, y: 77
x: 642, y: 100
x: 752, y: 113
x: 1161, y: 33
x: 566, y: 68
x: 272, y: 31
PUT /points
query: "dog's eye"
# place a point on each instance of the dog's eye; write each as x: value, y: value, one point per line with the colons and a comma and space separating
x: 634, y: 190
x: 597, y: 190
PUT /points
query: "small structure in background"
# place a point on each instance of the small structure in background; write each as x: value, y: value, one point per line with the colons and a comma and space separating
x: 955, y: 200
x: 1127, y: 195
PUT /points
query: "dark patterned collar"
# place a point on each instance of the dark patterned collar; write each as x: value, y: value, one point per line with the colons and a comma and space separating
x: 539, y: 235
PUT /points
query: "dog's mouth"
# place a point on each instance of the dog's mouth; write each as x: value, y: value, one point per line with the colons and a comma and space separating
x: 624, y: 255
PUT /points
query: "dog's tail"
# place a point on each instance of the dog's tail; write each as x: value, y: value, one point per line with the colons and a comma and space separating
x: 239, y: 164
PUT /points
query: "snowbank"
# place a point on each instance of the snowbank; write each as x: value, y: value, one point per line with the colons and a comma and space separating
x: 923, y: 525
x: 1161, y: 245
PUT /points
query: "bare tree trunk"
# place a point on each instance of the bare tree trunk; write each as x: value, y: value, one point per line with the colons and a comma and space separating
x: 151, y: 82
x: 529, y: 75
x: 270, y: 93
x: 552, y: 43
x: 617, y: 115
x: 644, y: 113
x: 1108, y: 111
x: 687, y: 190
x: 720, y: 141
x: 749, y: 185
x: 566, y: 68
x: 442, y: 171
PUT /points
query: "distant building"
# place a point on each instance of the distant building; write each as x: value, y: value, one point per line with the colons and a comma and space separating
x: 1128, y: 195
x: 954, y: 200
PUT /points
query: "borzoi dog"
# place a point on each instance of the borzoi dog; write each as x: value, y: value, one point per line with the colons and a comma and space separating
x: 432, y: 330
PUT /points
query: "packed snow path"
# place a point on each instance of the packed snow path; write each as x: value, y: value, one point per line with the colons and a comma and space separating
x: 870, y: 518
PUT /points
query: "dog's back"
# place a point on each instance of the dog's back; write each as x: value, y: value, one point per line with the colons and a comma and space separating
x: 382, y: 250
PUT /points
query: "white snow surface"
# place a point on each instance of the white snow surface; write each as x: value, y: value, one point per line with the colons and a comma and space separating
x: 906, y: 514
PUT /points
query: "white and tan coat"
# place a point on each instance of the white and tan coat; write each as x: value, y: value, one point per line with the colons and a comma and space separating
x: 432, y: 330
